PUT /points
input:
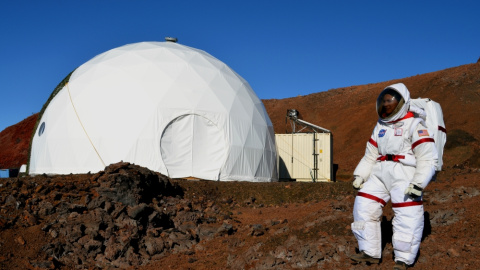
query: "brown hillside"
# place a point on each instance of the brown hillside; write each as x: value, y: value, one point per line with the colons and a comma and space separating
x: 15, y: 142
x: 350, y: 112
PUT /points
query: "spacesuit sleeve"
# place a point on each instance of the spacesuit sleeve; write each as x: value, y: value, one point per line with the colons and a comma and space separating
x: 364, y: 167
x: 423, y: 146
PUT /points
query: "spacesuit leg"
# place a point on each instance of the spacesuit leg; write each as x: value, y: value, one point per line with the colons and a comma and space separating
x: 367, y: 212
x: 407, y: 225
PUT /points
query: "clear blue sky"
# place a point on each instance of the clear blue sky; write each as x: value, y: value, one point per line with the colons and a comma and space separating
x: 282, y: 48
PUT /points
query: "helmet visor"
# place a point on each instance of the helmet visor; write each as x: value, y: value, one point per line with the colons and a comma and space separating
x: 389, y: 103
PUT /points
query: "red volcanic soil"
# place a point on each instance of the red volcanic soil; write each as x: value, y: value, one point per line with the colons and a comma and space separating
x: 131, y: 218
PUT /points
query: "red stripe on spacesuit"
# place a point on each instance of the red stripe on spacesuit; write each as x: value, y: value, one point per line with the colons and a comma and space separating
x: 442, y: 129
x: 408, y: 115
x: 395, y: 158
x: 371, y: 197
x: 422, y: 141
x: 374, y: 143
x: 405, y: 204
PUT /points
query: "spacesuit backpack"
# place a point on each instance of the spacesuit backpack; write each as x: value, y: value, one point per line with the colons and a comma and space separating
x: 435, y: 123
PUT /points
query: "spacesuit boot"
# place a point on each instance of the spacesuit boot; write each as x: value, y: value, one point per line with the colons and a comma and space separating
x: 399, y: 265
x: 363, y: 257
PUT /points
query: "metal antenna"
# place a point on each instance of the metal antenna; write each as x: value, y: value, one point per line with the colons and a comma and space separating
x: 292, y: 115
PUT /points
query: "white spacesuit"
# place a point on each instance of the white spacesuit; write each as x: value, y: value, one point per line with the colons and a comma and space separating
x: 399, y: 163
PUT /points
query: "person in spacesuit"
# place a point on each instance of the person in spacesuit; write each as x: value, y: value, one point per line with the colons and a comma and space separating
x: 398, y: 164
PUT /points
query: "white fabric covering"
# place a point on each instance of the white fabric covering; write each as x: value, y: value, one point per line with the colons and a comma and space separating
x: 162, y: 105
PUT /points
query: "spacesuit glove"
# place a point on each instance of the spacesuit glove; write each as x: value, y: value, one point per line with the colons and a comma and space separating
x: 414, y: 191
x: 358, y: 182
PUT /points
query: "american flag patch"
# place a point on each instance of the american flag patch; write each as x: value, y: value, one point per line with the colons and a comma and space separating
x: 423, y: 132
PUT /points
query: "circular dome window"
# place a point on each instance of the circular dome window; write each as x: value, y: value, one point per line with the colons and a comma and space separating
x: 41, y: 129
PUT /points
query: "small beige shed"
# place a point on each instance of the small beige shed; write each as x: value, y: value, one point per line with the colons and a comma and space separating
x: 305, y: 156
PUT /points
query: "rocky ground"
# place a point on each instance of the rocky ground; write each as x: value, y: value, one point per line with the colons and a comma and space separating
x: 130, y: 217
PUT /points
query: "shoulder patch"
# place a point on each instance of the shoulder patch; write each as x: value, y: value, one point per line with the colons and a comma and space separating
x: 382, y: 132
x: 423, y: 132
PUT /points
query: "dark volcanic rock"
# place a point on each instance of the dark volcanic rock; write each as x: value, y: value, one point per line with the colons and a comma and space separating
x: 121, y: 183
x: 132, y: 215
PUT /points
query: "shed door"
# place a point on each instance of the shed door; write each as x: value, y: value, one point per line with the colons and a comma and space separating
x: 193, y: 146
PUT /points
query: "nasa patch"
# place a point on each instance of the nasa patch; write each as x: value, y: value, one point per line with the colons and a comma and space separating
x: 382, y: 132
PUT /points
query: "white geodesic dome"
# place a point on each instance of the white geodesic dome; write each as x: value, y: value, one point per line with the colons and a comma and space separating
x: 162, y: 105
